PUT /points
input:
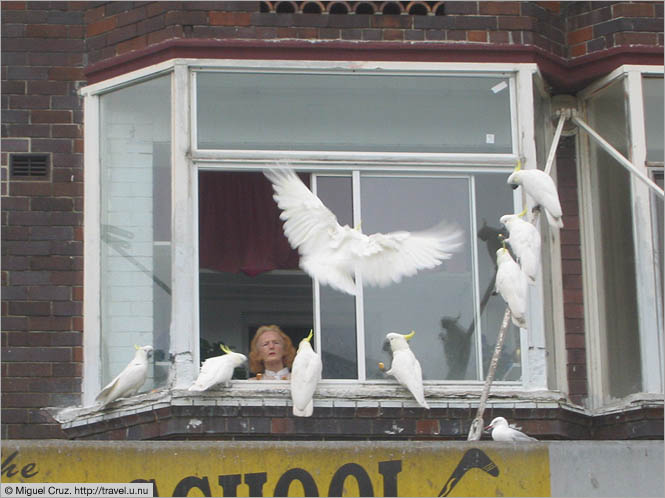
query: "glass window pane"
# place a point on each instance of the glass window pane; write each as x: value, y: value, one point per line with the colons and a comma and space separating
x: 658, y: 203
x: 136, y: 226
x: 494, y: 199
x: 654, y: 103
x: 338, y: 310
x: 614, y: 223
x: 353, y: 112
x: 249, y: 274
x: 423, y: 301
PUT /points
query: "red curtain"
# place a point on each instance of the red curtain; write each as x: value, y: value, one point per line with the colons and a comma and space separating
x: 239, y: 225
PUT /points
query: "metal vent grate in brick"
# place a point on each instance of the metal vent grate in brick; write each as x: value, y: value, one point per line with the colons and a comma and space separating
x: 29, y: 165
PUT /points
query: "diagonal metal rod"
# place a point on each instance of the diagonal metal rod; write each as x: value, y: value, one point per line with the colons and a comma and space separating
x: 555, y: 141
x: 618, y: 156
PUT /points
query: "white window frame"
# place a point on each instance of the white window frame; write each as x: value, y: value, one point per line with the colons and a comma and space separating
x: 649, y: 300
x: 187, y: 160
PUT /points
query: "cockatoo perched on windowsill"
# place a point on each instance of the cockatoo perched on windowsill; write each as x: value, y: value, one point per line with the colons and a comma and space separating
x: 540, y: 187
x: 524, y: 239
x: 512, y: 285
x: 218, y: 370
x: 130, y: 380
x: 332, y: 253
x: 305, y: 375
x: 405, y: 366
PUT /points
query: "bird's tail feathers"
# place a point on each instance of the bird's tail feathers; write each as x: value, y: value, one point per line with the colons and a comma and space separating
x: 305, y: 412
x: 554, y: 221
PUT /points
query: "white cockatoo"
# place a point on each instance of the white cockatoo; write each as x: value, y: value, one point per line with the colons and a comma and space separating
x: 129, y: 381
x: 332, y: 253
x: 218, y: 370
x: 305, y: 375
x: 511, y: 283
x: 405, y: 366
x: 540, y: 187
x: 502, y: 431
x: 524, y: 239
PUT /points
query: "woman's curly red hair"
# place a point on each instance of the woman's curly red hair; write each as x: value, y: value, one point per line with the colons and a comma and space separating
x: 256, y: 364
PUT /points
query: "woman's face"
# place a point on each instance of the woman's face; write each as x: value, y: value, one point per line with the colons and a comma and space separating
x: 270, y: 345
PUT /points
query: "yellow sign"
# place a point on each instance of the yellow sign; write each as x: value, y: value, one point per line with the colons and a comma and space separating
x: 308, y: 468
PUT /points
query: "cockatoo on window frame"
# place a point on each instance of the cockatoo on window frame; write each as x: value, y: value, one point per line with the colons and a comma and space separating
x: 524, y: 240
x: 305, y: 375
x: 541, y: 188
x: 332, y: 253
x: 130, y: 380
x: 511, y: 283
x: 405, y: 367
x: 218, y: 370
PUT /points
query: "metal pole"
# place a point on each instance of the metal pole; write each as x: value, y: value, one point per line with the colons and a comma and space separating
x: 476, y: 429
x: 555, y: 141
x: 618, y: 156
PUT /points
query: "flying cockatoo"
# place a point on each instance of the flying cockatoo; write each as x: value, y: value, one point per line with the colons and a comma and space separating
x: 524, y: 239
x: 540, y: 187
x: 129, y: 381
x: 501, y: 431
x: 218, y: 370
x: 405, y: 366
x: 332, y: 253
x: 305, y: 375
x: 511, y: 283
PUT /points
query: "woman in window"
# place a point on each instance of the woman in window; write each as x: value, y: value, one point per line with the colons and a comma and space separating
x: 271, y: 354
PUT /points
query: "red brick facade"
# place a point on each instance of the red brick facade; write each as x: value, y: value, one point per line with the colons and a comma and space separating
x: 51, y: 49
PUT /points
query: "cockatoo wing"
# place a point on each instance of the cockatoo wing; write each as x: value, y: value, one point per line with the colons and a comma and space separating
x: 308, y: 224
x: 406, y: 369
x: 511, y: 284
x: 127, y: 383
x: 305, y: 375
x: 387, y: 258
x: 214, y: 371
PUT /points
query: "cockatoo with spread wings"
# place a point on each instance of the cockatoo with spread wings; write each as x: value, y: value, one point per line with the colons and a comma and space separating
x: 129, y: 381
x: 218, y: 370
x: 305, y: 375
x: 541, y: 188
x: 405, y: 367
x: 512, y: 285
x: 524, y: 239
x: 332, y: 253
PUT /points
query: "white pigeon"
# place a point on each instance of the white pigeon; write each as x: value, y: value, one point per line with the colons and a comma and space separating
x: 524, y: 239
x: 511, y: 283
x: 218, y: 370
x: 332, y: 253
x: 305, y: 375
x: 540, y: 187
x: 501, y: 431
x: 405, y: 366
x: 129, y: 381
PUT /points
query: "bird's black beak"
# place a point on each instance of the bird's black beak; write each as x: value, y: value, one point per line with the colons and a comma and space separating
x: 513, y: 186
x: 386, y: 345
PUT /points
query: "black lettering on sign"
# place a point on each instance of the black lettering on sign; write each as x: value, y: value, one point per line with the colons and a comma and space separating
x: 472, y: 459
x: 255, y: 482
x: 307, y: 481
x: 389, y: 471
x: 229, y: 484
x: 154, y: 485
x: 351, y: 469
x: 183, y: 487
x: 10, y: 469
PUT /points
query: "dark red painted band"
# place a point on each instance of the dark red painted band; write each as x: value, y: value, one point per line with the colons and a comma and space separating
x: 565, y: 76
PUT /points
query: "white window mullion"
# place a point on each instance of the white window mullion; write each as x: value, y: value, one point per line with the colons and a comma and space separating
x: 185, y: 302
x: 645, y: 269
x: 360, y: 309
x: 92, y: 373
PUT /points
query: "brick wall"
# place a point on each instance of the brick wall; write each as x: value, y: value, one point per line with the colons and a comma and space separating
x: 48, y: 46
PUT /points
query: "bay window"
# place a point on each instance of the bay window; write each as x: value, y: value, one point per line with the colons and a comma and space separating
x: 199, y: 247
